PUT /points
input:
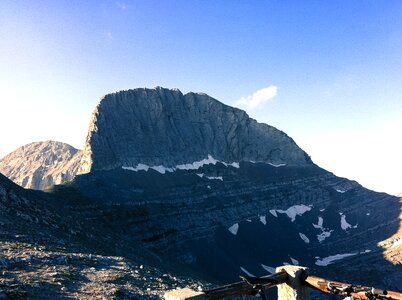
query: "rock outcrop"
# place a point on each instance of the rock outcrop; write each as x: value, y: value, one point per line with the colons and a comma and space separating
x: 41, y: 165
x: 162, y: 127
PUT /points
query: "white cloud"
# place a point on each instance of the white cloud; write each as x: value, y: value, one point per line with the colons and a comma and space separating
x: 258, y: 98
x: 121, y: 5
x: 109, y: 36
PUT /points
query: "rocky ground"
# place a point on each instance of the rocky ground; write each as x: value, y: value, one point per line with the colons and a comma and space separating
x: 46, y: 254
x: 29, y: 270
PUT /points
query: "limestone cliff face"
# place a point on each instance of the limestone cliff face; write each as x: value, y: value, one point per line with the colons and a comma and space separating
x: 164, y: 127
x: 41, y: 165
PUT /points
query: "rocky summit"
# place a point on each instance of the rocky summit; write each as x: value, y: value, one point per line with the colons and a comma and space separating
x: 162, y: 127
x: 41, y: 165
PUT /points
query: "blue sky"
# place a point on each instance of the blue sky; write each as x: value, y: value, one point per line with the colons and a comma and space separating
x: 329, y: 71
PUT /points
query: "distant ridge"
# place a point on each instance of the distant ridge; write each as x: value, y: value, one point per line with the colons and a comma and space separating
x: 41, y: 165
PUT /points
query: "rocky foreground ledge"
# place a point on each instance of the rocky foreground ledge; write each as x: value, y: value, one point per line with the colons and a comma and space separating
x: 32, y: 271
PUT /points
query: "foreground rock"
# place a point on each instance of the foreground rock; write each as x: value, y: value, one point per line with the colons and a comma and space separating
x: 35, y: 271
x: 41, y: 165
x: 45, y: 253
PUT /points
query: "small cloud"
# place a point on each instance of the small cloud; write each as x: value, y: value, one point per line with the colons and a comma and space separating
x: 109, y: 36
x: 121, y: 5
x: 258, y: 98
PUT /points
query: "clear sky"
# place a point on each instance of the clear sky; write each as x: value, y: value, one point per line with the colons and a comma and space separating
x: 328, y: 73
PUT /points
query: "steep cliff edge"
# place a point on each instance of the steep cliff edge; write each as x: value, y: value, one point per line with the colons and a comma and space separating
x: 162, y: 127
x: 41, y: 165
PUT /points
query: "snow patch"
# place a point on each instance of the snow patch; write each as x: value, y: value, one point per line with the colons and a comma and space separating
x: 139, y: 167
x: 295, y: 262
x: 263, y: 220
x: 325, y: 232
x: 234, y: 228
x: 331, y: 259
x: 319, y: 224
x: 277, y: 165
x: 341, y: 191
x: 198, y: 164
x: 162, y: 169
x: 295, y: 210
x: 323, y: 235
x: 344, y: 224
x: 273, y: 212
x: 268, y: 269
x: 235, y: 165
x: 215, y: 178
x: 304, y: 238
x: 247, y: 272
x: 190, y: 166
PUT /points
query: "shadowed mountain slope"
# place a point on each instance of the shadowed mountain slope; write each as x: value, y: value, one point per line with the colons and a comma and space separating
x: 47, y: 252
x: 251, y: 218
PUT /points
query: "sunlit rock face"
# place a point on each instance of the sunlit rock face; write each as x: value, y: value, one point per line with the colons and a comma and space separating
x: 162, y: 127
x: 41, y: 165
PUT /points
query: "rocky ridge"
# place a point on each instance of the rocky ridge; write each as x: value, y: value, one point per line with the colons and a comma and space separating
x: 41, y: 165
x: 162, y: 127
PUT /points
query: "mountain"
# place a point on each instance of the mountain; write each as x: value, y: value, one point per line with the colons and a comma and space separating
x: 162, y: 127
x: 183, y: 184
x: 41, y: 165
x: 205, y: 186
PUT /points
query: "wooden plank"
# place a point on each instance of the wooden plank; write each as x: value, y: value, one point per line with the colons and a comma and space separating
x: 324, y: 285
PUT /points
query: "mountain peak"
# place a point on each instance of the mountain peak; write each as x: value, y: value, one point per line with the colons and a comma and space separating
x: 40, y: 165
x: 163, y: 127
